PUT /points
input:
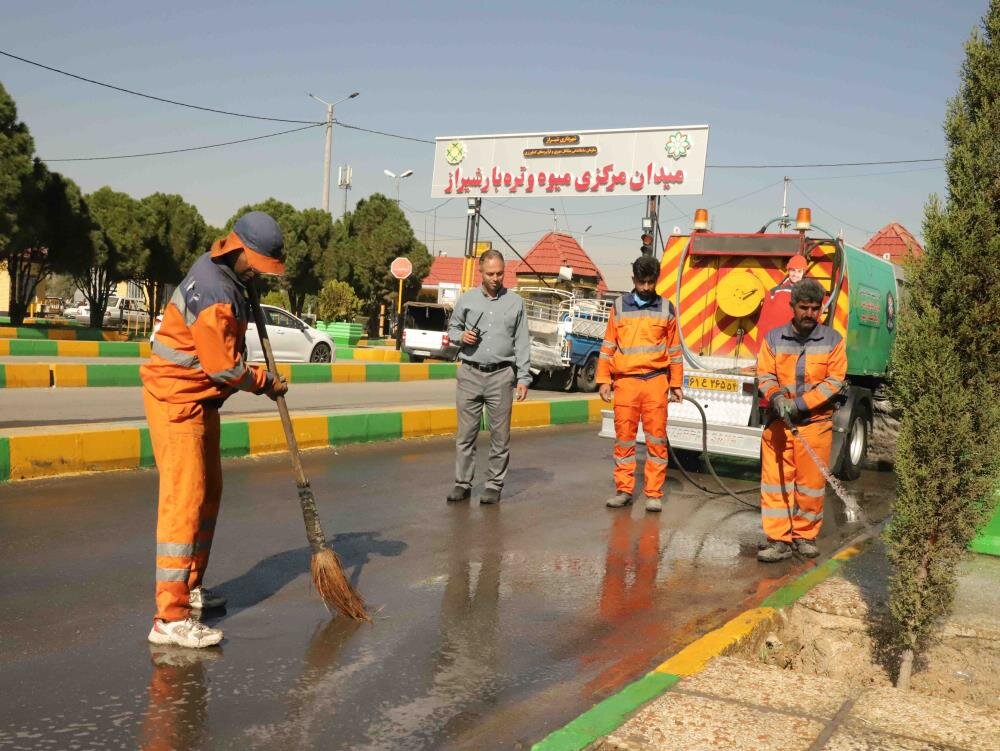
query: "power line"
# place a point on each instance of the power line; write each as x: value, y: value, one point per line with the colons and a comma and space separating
x: 151, y: 96
x: 872, y: 174
x: 179, y: 151
x: 834, y: 216
x: 404, y: 137
x: 832, y: 164
x: 381, y: 132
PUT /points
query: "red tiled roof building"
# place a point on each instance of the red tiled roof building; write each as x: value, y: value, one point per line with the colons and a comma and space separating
x: 893, y: 243
x: 554, y: 251
x: 448, y: 269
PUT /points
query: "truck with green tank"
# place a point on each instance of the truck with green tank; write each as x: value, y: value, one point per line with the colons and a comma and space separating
x: 721, y: 284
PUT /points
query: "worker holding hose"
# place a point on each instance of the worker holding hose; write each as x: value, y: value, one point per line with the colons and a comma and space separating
x: 801, y: 368
x: 641, y: 364
x: 194, y: 367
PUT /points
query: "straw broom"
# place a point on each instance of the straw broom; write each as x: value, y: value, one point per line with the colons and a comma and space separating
x: 327, y: 571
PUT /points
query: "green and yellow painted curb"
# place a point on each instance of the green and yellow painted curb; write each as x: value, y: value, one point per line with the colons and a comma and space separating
x: 610, y: 714
x: 28, y: 454
x: 75, y: 348
x: 61, y: 333
x: 71, y: 348
x: 76, y: 375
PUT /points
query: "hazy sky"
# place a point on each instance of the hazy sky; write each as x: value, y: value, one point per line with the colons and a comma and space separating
x: 777, y: 82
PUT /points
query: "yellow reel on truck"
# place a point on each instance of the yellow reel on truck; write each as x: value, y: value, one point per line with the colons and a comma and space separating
x: 739, y: 293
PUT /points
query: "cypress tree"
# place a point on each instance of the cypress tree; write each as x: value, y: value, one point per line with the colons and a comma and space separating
x: 946, y: 363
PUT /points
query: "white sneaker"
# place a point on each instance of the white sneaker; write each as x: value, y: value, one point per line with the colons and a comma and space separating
x: 186, y: 633
x: 203, y: 598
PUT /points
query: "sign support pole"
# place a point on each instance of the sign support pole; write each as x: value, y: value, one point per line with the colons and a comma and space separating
x: 471, y: 241
x: 399, y: 317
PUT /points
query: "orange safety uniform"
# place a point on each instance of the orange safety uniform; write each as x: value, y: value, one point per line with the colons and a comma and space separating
x: 641, y: 358
x: 811, y: 370
x: 194, y: 366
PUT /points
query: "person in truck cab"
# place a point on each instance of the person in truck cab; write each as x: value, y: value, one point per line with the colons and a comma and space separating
x: 641, y: 363
x: 801, y: 370
x: 777, y: 309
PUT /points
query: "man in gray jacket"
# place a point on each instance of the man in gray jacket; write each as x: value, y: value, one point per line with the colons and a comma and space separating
x: 490, y: 325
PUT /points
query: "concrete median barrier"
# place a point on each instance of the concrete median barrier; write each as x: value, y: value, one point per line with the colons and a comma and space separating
x: 78, y: 375
x: 30, y: 453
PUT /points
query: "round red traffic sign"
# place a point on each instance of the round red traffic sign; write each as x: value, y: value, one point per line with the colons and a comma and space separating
x: 401, y: 267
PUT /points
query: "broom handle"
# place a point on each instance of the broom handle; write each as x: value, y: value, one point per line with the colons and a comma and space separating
x: 286, y: 420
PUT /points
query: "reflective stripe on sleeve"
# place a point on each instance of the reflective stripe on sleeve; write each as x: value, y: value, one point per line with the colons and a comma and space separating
x: 178, y: 358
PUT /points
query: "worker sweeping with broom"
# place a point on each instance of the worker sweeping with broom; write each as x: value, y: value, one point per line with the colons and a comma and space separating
x: 194, y: 367
x: 801, y: 368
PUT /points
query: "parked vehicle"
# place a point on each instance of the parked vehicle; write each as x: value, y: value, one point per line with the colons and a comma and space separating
x: 425, y: 331
x: 121, y: 312
x: 51, y: 307
x: 566, y: 334
x: 292, y: 339
x: 718, y: 284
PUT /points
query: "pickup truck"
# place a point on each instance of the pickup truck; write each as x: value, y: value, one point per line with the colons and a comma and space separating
x: 425, y: 331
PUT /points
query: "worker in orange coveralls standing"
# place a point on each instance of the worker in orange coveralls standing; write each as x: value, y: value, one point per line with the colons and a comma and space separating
x: 194, y: 367
x: 801, y: 372
x: 640, y: 362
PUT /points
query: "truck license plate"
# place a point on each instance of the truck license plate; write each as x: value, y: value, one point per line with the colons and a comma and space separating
x: 712, y: 383
x: 421, y: 353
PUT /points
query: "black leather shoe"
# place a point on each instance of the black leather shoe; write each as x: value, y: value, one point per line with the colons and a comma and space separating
x: 490, y: 495
x: 458, y: 493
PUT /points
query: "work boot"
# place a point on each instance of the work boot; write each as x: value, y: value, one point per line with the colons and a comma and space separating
x: 806, y: 548
x: 203, y: 598
x: 187, y: 633
x: 654, y: 504
x: 619, y: 500
x: 775, y: 551
x: 490, y: 495
x: 459, y: 493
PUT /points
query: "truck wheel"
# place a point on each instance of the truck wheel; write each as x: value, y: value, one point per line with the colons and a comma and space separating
x: 586, y: 376
x: 415, y: 358
x: 855, y: 444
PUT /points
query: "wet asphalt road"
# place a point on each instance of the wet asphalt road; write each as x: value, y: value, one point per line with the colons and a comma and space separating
x: 494, y: 625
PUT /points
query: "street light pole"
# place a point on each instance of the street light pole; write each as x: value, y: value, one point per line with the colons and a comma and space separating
x: 328, y: 151
x: 398, y: 178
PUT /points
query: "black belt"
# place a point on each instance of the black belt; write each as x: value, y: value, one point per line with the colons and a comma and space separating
x: 488, y: 368
x: 644, y: 376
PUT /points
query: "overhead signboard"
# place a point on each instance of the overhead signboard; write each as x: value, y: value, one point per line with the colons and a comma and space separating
x: 638, y: 161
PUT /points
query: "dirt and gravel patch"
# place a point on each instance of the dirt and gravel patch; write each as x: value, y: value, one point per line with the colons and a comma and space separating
x: 838, y: 630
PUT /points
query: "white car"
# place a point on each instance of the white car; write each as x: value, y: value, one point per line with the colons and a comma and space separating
x: 292, y: 340
x: 120, y: 312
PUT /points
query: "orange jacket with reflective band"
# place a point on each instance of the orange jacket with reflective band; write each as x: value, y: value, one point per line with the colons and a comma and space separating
x: 641, y: 341
x: 812, y: 371
x: 196, y: 351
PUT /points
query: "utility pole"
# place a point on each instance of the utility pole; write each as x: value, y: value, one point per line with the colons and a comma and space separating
x: 784, y: 207
x: 649, y: 223
x: 328, y: 151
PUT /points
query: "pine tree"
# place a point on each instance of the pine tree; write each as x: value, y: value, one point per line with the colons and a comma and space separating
x: 946, y: 363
